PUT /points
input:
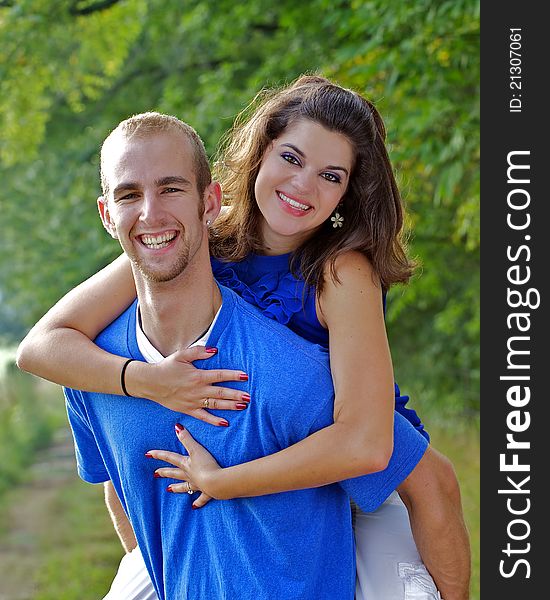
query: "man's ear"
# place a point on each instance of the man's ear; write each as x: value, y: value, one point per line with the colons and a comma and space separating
x: 106, y: 217
x: 212, y: 202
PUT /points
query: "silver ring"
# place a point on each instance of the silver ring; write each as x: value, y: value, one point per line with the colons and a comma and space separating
x: 206, y: 403
x: 189, y: 490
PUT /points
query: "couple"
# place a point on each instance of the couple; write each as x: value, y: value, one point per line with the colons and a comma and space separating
x: 312, y: 241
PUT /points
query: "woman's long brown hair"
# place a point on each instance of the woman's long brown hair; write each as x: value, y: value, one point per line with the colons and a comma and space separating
x: 371, y: 206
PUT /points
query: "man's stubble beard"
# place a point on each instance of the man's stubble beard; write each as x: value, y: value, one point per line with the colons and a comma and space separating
x: 177, y: 269
x: 157, y: 275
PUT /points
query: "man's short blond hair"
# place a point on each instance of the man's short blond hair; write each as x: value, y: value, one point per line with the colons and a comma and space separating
x: 150, y: 123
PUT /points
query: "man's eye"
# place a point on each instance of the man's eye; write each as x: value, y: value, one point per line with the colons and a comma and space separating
x: 332, y: 177
x: 170, y: 190
x: 130, y: 196
x: 290, y: 158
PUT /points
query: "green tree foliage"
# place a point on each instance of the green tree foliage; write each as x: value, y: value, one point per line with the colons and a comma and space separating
x: 421, y: 64
x: 70, y: 70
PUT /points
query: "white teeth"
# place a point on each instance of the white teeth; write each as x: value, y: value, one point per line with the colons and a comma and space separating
x: 292, y: 202
x: 157, y: 241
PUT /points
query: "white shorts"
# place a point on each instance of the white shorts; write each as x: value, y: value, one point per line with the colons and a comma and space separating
x: 388, y: 564
x: 132, y: 581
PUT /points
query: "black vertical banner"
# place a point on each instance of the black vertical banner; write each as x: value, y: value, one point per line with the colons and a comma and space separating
x: 515, y: 423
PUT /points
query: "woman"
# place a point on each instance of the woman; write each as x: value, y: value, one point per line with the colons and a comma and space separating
x: 313, y: 239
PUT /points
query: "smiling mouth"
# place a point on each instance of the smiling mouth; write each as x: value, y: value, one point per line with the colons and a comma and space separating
x: 156, y: 242
x: 292, y: 202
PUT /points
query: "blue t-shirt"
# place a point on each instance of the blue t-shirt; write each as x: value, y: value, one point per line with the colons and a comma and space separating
x: 266, y: 282
x: 296, y: 544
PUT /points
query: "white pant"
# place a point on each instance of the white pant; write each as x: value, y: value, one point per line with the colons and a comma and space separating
x: 388, y: 564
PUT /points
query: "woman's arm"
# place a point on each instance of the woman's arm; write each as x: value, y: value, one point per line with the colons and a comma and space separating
x: 361, y: 439
x: 59, y: 348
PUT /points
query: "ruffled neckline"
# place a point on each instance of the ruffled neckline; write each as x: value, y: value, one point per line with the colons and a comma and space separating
x: 277, y: 293
x: 277, y: 261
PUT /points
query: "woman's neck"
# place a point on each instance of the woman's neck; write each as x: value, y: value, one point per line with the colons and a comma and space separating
x: 275, y: 244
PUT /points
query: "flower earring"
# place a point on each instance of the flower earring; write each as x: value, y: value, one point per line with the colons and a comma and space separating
x: 208, y: 223
x: 337, y: 220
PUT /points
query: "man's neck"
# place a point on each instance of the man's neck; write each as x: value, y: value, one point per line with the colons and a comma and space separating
x: 176, y: 313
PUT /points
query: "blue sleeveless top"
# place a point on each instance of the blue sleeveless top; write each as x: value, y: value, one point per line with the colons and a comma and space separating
x: 267, y: 283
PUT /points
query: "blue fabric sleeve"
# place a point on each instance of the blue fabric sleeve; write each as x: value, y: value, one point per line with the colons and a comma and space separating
x: 370, y: 491
x: 89, y: 462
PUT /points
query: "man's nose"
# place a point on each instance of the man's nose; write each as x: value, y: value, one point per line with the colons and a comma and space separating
x: 151, y: 207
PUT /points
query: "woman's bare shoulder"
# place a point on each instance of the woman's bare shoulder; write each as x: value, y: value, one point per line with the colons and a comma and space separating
x: 350, y: 267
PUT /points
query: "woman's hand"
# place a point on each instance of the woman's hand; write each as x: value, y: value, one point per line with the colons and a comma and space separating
x: 197, y: 471
x: 177, y: 384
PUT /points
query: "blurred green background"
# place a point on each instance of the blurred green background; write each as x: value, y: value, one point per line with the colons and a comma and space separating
x: 70, y: 70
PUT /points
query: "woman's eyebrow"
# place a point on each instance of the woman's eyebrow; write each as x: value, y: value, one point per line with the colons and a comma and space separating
x: 332, y: 167
x: 337, y: 168
x: 297, y: 150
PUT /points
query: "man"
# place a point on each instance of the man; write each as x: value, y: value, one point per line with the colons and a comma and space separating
x: 158, y: 201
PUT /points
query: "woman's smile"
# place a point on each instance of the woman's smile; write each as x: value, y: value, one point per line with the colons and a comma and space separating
x: 294, y: 206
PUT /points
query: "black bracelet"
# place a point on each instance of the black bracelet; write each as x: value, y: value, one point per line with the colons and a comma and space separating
x: 122, y: 382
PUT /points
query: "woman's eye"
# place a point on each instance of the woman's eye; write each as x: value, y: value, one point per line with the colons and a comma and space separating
x: 332, y: 177
x: 290, y: 158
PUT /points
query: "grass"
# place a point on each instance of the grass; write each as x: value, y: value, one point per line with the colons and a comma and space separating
x: 461, y: 446
x: 57, y: 537
x: 82, y: 551
x: 58, y: 541
x: 30, y: 411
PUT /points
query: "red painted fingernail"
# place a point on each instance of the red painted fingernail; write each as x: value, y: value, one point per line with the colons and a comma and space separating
x: 243, y: 377
x: 148, y: 455
x: 241, y: 405
x: 224, y: 423
x: 211, y: 350
x: 245, y: 397
x: 179, y: 428
x: 156, y: 475
x: 169, y: 489
x: 194, y: 507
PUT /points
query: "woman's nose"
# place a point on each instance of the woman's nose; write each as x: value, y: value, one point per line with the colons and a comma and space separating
x: 304, y: 181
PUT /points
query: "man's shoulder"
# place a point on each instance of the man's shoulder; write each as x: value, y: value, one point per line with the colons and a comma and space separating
x: 273, y: 335
x: 117, y: 336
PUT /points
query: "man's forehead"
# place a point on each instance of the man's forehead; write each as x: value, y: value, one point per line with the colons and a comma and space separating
x: 123, y: 146
x: 158, y: 155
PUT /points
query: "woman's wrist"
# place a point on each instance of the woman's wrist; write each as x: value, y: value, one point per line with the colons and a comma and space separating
x: 215, y: 484
x: 137, y: 379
